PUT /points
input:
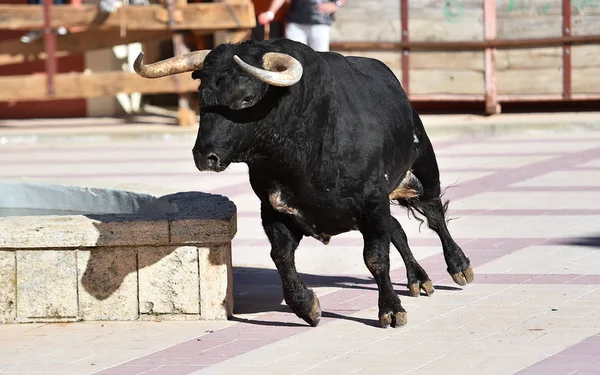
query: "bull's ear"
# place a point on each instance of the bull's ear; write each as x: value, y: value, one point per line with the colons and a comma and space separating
x: 196, y: 75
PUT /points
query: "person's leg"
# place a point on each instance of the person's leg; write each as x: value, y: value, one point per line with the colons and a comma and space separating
x: 296, y: 32
x: 318, y: 38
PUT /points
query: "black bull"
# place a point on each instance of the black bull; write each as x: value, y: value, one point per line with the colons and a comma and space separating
x: 329, y: 142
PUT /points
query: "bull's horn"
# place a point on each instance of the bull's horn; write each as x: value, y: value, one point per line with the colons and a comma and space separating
x: 179, y: 64
x: 281, y: 69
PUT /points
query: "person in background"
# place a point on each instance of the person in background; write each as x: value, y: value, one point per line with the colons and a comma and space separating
x: 106, y: 6
x: 37, y: 34
x: 275, y: 27
x: 308, y: 21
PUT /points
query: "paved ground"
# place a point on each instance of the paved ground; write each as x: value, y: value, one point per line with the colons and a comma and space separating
x: 527, y: 213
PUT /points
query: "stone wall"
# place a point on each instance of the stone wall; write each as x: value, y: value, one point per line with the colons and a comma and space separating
x: 167, y: 265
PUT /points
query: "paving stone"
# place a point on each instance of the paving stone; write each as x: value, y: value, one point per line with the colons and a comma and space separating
x: 108, y: 288
x: 216, y: 281
x: 168, y: 280
x: 8, y: 287
x: 46, y: 284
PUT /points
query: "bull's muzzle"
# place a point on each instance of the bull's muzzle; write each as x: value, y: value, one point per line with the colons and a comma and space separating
x: 208, y: 161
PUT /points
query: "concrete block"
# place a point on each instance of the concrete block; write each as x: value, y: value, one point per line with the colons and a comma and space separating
x: 168, y: 280
x: 46, y: 284
x: 216, y: 281
x: 131, y: 230
x: 27, y: 232
x: 73, y: 231
x: 8, y: 287
x: 195, y: 231
x: 201, y: 218
x: 108, y: 287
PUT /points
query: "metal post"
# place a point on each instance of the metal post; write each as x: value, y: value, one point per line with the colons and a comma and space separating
x: 49, y: 47
x: 567, y: 71
x: 186, y: 116
x: 405, y: 51
x: 491, y: 90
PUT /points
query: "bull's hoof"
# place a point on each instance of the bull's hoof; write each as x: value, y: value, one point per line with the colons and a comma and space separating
x: 395, y: 320
x: 463, y: 278
x: 314, y: 316
x: 415, y: 288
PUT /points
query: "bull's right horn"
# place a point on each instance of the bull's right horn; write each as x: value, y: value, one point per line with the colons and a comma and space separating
x: 281, y: 69
x: 179, y: 64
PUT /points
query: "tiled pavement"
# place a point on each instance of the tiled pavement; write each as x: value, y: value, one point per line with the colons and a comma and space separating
x: 526, y: 210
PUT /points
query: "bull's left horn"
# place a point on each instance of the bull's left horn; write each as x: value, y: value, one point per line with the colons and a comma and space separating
x: 179, y: 64
x: 281, y: 69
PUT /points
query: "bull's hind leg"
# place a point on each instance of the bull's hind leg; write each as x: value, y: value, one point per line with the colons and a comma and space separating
x: 429, y: 203
x: 415, y: 274
x: 285, y: 237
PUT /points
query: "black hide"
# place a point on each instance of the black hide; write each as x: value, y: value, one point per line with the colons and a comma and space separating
x: 324, y: 156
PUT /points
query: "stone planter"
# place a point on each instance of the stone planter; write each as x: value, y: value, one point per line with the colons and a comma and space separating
x: 71, y: 253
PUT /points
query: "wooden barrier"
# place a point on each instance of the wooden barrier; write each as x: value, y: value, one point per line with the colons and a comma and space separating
x: 479, y: 50
x: 129, y: 24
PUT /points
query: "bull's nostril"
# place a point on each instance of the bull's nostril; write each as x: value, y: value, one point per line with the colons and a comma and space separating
x: 212, y: 160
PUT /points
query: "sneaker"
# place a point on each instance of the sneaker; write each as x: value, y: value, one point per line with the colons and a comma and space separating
x: 31, y: 36
x: 107, y: 6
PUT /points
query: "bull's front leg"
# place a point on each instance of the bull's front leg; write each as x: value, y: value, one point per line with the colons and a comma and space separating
x: 284, y: 237
x: 376, y: 230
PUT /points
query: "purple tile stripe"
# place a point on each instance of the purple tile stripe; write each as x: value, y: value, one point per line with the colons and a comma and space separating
x: 358, y: 293
x: 502, y: 179
x: 582, y: 358
x: 538, y: 279
x: 488, y: 212
x: 550, y: 188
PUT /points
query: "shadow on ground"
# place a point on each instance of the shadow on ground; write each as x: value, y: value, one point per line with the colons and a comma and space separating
x: 258, y: 290
x: 592, y: 241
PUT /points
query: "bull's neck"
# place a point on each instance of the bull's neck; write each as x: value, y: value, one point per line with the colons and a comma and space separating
x: 296, y: 138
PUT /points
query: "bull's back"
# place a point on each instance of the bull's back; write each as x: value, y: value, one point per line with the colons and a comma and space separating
x: 374, y: 106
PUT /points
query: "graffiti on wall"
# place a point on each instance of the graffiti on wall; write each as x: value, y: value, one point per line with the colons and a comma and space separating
x: 454, y: 10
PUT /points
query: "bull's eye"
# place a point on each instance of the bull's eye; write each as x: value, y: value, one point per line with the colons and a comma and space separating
x: 247, y: 100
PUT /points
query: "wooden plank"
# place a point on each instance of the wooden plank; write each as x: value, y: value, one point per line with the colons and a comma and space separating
x: 82, y: 85
x: 585, y: 17
x: 236, y: 36
x: 446, y: 82
x: 586, y: 56
x: 434, y: 20
x: 530, y: 59
x: 586, y: 80
x: 586, y: 69
x: 530, y: 81
x: 204, y: 16
x: 436, y: 72
x: 518, y: 19
x: 530, y: 71
x: 355, y: 21
x: 14, y: 52
x: 470, y: 60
